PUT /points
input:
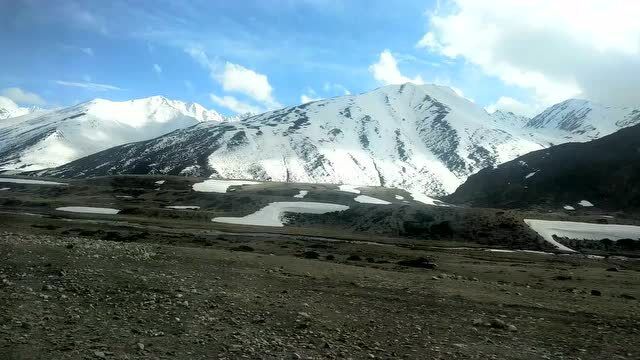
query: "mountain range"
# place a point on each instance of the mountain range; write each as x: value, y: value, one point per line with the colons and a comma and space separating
x: 604, y: 173
x: 422, y: 138
x: 44, y: 139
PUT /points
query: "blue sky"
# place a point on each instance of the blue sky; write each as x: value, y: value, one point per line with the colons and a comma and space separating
x: 237, y: 55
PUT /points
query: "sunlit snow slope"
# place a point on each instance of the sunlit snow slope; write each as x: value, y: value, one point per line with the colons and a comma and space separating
x: 42, y: 140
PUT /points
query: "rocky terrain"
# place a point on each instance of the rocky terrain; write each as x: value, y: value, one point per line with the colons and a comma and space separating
x: 157, y: 282
x: 604, y: 172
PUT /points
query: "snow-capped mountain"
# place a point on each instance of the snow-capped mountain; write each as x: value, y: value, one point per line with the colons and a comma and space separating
x: 9, y: 109
x: 582, y: 120
x: 507, y: 117
x: 423, y: 138
x: 42, y: 140
x: 604, y: 172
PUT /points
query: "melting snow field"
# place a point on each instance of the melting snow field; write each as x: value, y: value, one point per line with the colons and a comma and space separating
x: 5, y: 189
x: 578, y: 230
x: 585, y: 203
x: 183, y: 207
x: 568, y: 207
x: 399, y: 197
x: 31, y: 182
x: 220, y: 186
x: 271, y: 215
x: 530, y: 174
x: 419, y: 197
x: 160, y: 182
x: 370, y: 200
x: 301, y: 194
x: 88, y: 210
x: 349, y: 188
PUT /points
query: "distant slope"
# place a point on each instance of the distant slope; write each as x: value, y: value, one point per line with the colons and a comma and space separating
x: 605, y: 172
x: 423, y: 138
x: 41, y: 140
x: 9, y: 109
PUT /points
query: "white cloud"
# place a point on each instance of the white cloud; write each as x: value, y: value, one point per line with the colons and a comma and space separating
x: 309, y: 96
x: 335, y: 88
x: 235, y: 105
x: 157, y: 69
x: 20, y: 96
x: 386, y: 71
x: 554, y: 49
x: 509, y: 104
x: 88, y: 85
x: 88, y: 51
x: 237, y: 78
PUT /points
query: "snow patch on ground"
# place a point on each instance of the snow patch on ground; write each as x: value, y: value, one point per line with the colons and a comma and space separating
x: 31, y: 182
x: 271, y: 215
x: 578, y: 230
x: 220, y: 186
x: 88, y: 210
x: 301, y: 194
x: 370, y: 200
x: 349, y: 188
x: 419, y: 197
x: 585, y: 203
x: 124, y: 196
x: 568, y: 207
x: 5, y: 189
x: 399, y: 197
x: 160, y: 182
x: 530, y: 174
x: 501, y: 250
x: 183, y: 207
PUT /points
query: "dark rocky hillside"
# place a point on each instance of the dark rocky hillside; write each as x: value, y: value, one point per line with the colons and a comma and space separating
x: 606, y: 172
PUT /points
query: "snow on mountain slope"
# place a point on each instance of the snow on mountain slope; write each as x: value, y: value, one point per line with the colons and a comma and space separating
x: 9, y: 109
x: 581, y: 120
x: 43, y: 140
x: 424, y: 138
x: 507, y: 117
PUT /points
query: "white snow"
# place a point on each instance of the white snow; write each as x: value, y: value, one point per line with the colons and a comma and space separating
x: 5, y: 189
x: 370, y: 200
x: 88, y: 210
x: 399, y: 197
x: 220, y: 186
x: 349, y: 188
x: 579, y: 230
x: 301, y: 194
x: 30, y: 182
x: 585, y: 203
x: 271, y: 215
x: 60, y: 136
x: 124, y: 196
x: 530, y: 174
x: 501, y: 250
x: 419, y: 197
x: 568, y: 207
x: 160, y: 182
x: 183, y: 207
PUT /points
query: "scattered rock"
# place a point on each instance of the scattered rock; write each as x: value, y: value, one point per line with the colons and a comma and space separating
x: 614, y: 269
x: 563, y: 277
x: 243, y: 248
x: 420, y: 262
x: 310, y: 255
x: 627, y: 296
x: 354, y: 258
x: 596, y: 292
x: 330, y: 257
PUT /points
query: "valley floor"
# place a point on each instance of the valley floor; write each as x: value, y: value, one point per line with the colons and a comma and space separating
x: 73, y: 297
x: 156, y: 283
